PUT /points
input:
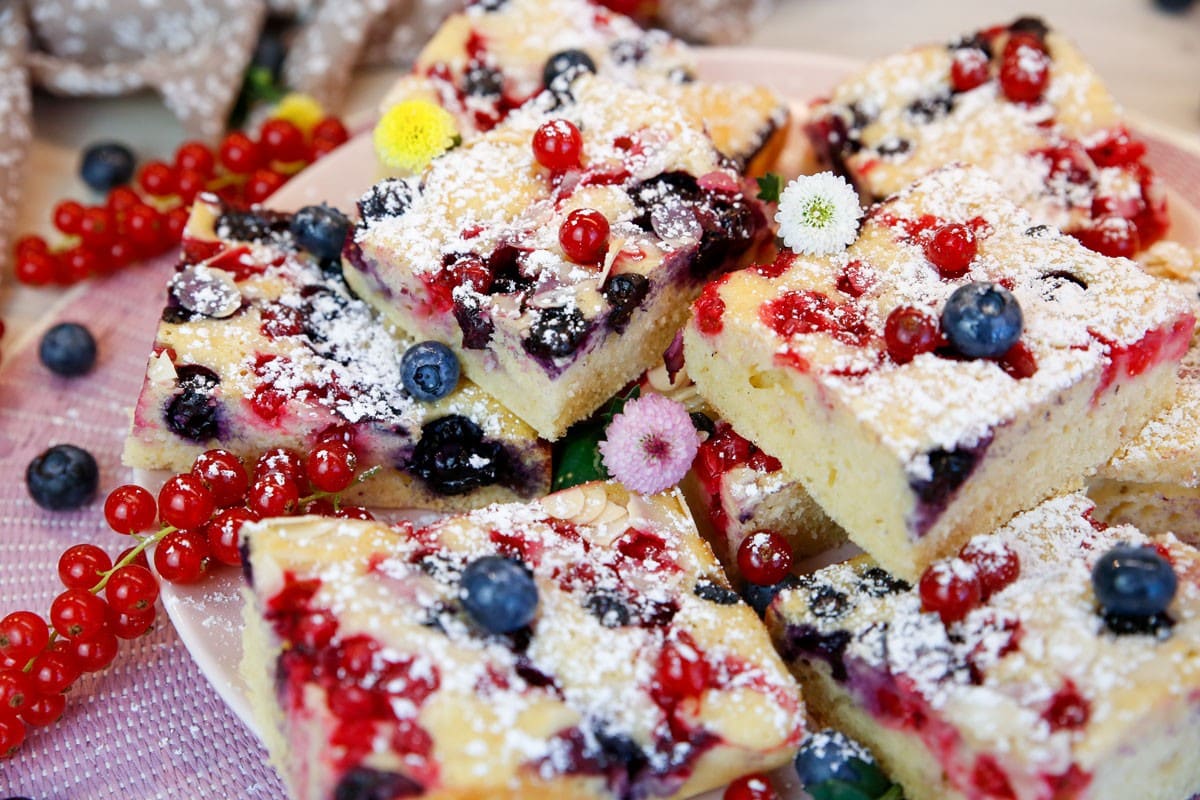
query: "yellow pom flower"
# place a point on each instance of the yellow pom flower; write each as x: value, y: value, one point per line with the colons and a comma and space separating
x: 299, y: 109
x: 413, y: 133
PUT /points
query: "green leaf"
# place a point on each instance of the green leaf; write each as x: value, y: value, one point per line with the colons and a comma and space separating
x: 617, y: 404
x: 769, y: 187
x: 577, y: 458
x: 837, y: 790
x: 894, y: 793
x: 870, y: 777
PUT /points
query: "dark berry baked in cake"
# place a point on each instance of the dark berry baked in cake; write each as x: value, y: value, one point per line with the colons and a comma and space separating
x: 955, y: 364
x: 492, y: 57
x: 1018, y: 101
x: 557, y: 253
x: 583, y: 646
x: 262, y: 346
x: 1055, y: 658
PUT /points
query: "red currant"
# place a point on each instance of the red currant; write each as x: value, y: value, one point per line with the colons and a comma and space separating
x: 222, y: 472
x: 224, y: 534
x: 16, y: 690
x: 354, y: 512
x: 951, y: 249
x: 55, y: 668
x: 239, y: 154
x: 157, y: 178
x: 330, y: 466
x: 969, y: 69
x: 131, y: 589
x: 184, y: 502
x: 78, y: 264
x: 131, y: 626
x: 68, y: 215
x: 80, y: 567
x: 996, y: 564
x: 120, y: 254
x: 273, y: 495
x: 44, y: 709
x: 1024, y: 68
x: 28, y: 244
x: 282, y: 141
x: 78, y: 613
x: 94, y: 653
x: 189, y: 184
x: 682, y: 671
x: 195, y: 156
x: 330, y: 131
x: 764, y: 557
x: 130, y: 509
x: 584, y: 236
x: 176, y: 222
x: 284, y: 461
x: 558, y: 145
x: 321, y: 507
x: 98, y: 227
x: 121, y: 198
x: 144, y: 225
x: 750, y: 787
x: 181, y: 556
x: 23, y: 634
x: 36, y: 269
x: 1115, y: 237
x: 950, y: 588
x: 262, y: 184
x: 908, y: 332
x: 12, y: 735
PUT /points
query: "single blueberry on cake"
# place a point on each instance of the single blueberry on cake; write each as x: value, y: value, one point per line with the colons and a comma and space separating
x: 586, y: 646
x: 262, y: 346
x: 485, y: 62
x: 1018, y: 101
x: 912, y: 380
x: 556, y: 254
x: 1053, y: 658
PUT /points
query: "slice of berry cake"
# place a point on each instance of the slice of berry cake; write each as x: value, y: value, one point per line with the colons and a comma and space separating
x: 1054, y: 659
x: 1016, y: 100
x: 954, y: 365
x: 261, y: 346
x: 558, y: 252
x: 583, y: 646
x: 492, y: 57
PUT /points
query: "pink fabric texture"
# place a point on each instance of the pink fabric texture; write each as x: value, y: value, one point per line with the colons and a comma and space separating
x: 150, y: 726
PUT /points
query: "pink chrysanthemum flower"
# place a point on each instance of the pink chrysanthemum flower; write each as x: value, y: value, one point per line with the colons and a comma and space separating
x: 650, y: 445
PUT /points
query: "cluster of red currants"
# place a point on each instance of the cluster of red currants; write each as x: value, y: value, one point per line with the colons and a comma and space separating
x: 194, y: 524
x: 146, y: 218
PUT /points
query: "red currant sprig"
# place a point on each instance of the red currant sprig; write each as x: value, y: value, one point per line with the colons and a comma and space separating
x: 147, y: 218
x: 199, y: 516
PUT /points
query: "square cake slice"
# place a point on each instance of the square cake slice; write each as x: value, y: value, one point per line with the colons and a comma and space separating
x: 583, y: 646
x: 262, y: 346
x: 917, y: 439
x: 1021, y: 669
x: 1017, y: 100
x: 491, y: 58
x: 557, y: 287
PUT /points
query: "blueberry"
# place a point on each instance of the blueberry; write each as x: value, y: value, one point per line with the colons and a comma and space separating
x: 62, y: 478
x: 429, y: 371
x: 759, y: 597
x: 706, y: 589
x: 831, y: 755
x: 624, y: 292
x: 924, y: 110
x: 703, y: 422
x: 499, y: 594
x: 320, y: 230
x: 556, y: 332
x: 564, y: 67
x: 982, y: 320
x: 368, y: 783
x: 251, y: 226
x: 608, y: 607
x: 389, y: 198
x: 475, y: 323
x: 453, y: 457
x: 68, y: 349
x: 1133, y: 581
x: 192, y: 412
x: 490, y: 5
x: 1174, y: 6
x: 271, y: 49
x: 106, y: 165
x: 1032, y: 25
x: 483, y: 81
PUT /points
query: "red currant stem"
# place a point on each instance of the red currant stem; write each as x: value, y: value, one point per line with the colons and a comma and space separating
x: 134, y: 552
x: 337, y: 496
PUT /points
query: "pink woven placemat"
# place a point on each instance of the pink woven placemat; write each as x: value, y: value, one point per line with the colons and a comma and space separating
x: 150, y: 726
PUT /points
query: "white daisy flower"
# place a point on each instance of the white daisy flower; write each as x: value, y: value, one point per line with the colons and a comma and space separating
x: 818, y: 214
